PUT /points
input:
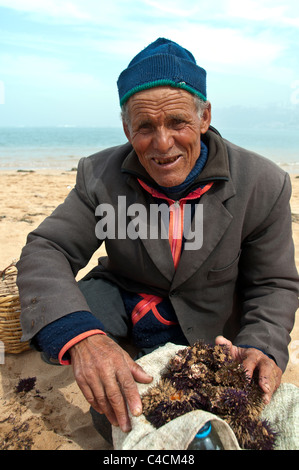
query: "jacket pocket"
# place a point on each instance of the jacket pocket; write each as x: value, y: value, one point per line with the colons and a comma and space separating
x: 228, y: 272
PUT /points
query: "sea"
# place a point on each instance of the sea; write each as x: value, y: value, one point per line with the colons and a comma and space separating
x: 35, y: 148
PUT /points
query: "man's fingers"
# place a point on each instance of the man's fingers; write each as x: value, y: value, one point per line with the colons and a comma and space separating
x: 130, y: 392
x: 269, y: 374
x: 223, y: 341
x: 139, y: 374
x: 117, y: 403
x: 106, y: 375
x: 102, y: 405
x: 234, y: 350
x: 250, y: 362
x: 96, y: 397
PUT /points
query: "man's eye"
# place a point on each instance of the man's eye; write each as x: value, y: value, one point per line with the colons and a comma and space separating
x: 145, y: 127
x: 178, y: 124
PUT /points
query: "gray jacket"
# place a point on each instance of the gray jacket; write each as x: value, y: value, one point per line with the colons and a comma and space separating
x: 241, y: 283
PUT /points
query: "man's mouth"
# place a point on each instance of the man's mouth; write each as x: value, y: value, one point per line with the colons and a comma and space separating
x: 166, y: 160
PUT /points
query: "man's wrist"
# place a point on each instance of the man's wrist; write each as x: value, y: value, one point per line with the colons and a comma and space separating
x: 54, y: 336
x: 64, y: 355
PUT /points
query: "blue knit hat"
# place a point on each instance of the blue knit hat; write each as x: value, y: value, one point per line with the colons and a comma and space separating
x: 162, y: 63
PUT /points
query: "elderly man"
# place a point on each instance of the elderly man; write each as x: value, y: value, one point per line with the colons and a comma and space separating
x: 210, y: 257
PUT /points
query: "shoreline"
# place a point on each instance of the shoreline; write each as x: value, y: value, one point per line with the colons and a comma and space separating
x: 70, y: 163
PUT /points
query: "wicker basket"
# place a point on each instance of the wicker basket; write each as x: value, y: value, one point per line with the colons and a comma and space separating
x: 10, y: 310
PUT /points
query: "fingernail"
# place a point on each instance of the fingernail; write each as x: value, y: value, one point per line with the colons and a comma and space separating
x: 137, y: 411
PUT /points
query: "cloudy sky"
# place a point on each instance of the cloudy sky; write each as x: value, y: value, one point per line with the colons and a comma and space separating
x: 60, y: 59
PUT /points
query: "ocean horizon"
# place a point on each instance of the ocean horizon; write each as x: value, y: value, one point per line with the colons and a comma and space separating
x: 61, y: 147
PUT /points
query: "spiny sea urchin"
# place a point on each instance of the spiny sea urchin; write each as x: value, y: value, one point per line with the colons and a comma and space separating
x: 26, y: 385
x: 206, y: 377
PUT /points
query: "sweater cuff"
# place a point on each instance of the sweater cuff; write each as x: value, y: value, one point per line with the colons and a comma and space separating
x: 63, y: 356
x: 53, y: 337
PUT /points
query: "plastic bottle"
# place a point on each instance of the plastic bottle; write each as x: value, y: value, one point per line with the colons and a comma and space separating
x: 206, y: 439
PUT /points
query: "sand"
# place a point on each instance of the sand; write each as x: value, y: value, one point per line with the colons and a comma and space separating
x: 54, y: 415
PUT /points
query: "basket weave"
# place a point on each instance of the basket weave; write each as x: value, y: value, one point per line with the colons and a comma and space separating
x: 10, y: 310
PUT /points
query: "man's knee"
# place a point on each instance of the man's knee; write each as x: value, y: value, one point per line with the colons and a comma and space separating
x: 105, y: 302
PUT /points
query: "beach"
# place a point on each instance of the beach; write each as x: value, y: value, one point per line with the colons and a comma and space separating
x: 54, y: 415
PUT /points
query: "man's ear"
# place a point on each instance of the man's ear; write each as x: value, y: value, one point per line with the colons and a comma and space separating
x: 206, y: 119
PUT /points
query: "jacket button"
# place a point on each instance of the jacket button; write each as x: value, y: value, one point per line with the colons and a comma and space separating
x: 174, y: 293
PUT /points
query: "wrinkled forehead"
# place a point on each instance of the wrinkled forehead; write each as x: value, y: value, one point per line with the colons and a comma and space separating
x: 159, y: 100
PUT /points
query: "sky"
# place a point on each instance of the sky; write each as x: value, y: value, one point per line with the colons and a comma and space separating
x: 60, y: 59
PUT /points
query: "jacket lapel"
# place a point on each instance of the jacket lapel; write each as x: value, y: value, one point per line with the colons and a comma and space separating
x: 158, y: 249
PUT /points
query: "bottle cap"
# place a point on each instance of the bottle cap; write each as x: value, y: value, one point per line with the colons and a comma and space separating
x: 204, y: 431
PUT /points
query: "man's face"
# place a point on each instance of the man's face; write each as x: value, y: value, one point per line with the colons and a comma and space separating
x: 164, y: 130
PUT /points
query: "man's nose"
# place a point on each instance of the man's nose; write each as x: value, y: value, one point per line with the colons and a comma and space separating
x: 163, y: 140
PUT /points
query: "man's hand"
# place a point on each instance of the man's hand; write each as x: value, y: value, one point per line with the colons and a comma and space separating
x: 269, y: 373
x: 106, y: 375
